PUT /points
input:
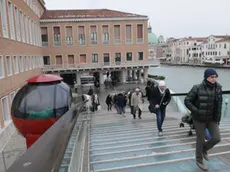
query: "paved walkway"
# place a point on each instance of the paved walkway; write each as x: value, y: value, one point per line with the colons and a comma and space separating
x: 122, y: 144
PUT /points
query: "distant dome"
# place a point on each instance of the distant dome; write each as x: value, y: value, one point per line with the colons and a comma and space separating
x: 152, y: 38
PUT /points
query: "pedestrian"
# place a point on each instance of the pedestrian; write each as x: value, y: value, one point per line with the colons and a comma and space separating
x: 136, y: 103
x: 159, y: 100
x: 204, y: 101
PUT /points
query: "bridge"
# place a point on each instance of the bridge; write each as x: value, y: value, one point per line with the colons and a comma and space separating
x: 107, y: 142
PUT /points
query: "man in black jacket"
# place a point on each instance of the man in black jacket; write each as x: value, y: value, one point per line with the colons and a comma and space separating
x: 160, y: 98
x: 205, y: 101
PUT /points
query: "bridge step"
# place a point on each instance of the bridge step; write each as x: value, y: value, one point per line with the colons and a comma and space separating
x: 118, y: 143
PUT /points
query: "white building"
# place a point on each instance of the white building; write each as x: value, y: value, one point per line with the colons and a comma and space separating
x: 216, y: 50
x: 183, y: 49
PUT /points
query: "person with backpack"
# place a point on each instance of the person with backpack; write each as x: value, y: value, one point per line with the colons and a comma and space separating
x: 204, y: 101
x: 159, y: 100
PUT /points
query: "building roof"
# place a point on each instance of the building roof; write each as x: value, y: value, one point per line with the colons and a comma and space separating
x: 88, y: 13
x: 226, y: 39
x: 196, y: 39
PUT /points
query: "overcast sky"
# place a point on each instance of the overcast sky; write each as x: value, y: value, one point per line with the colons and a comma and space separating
x: 170, y: 18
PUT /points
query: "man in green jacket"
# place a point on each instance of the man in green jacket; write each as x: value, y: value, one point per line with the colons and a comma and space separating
x: 205, y: 101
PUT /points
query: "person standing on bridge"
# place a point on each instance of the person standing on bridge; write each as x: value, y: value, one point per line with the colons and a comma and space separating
x: 160, y: 98
x: 205, y: 101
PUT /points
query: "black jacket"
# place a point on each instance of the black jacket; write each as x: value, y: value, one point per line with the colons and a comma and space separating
x: 205, y: 102
x: 156, y: 97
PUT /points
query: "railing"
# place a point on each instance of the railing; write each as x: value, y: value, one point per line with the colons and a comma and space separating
x: 105, y: 41
x: 45, y: 44
x: 69, y: 43
x: 47, y: 153
x: 140, y: 40
x: 178, y: 102
x: 117, y: 41
x: 57, y: 43
x: 129, y: 41
x: 152, y: 62
x: 93, y: 42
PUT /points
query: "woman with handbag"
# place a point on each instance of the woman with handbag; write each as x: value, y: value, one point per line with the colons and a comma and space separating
x: 160, y: 98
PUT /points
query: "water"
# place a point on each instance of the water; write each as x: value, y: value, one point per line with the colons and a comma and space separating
x: 182, y: 78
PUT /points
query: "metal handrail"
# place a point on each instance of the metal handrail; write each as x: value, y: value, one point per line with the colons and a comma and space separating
x: 47, y: 152
x: 184, y: 94
x: 100, y: 65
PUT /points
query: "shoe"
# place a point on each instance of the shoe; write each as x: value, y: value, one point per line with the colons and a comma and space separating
x: 205, y: 155
x: 140, y: 117
x: 202, y: 166
x: 160, y: 134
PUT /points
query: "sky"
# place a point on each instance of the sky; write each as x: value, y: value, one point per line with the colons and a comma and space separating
x: 170, y: 18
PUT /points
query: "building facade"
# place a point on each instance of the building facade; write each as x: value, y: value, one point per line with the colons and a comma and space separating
x: 20, y: 53
x: 35, y: 40
x: 94, y: 40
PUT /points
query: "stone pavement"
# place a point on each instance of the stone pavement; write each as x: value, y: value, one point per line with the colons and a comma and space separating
x: 15, y: 147
x: 122, y: 144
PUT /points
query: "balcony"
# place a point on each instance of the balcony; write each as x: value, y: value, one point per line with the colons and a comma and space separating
x: 81, y: 41
x: 45, y: 44
x: 117, y: 41
x: 101, y: 66
x: 117, y: 63
x: 129, y: 41
x: 57, y: 43
x: 69, y: 43
x: 93, y: 42
x: 105, y: 41
x: 140, y: 40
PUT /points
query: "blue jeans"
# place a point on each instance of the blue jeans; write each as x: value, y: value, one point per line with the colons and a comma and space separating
x: 160, y: 118
x: 120, y: 109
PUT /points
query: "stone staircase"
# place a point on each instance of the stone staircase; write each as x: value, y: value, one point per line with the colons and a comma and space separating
x: 122, y: 144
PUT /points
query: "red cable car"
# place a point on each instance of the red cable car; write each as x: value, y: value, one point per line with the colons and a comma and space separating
x: 39, y: 104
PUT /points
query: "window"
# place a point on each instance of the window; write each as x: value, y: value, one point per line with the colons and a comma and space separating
x: 22, y: 26
x: 5, y: 109
x: 44, y: 36
x: 30, y: 30
x: 58, y: 59
x: 21, y: 64
x: 46, y: 60
x: 11, y: 20
x: 140, y: 55
x: 106, y: 59
x: 8, y: 65
x: 129, y: 56
x: 27, y: 29
x: 26, y: 63
x: 1, y: 68
x: 17, y: 24
x: 30, y: 62
x: 117, y: 58
x: 140, y: 33
x: 12, y: 97
x: 117, y: 35
x: 128, y: 34
x: 4, y: 19
x: 57, y: 36
x: 82, y: 58
x: 94, y: 58
x: 81, y: 35
x: 105, y: 36
x: 69, y: 35
x: 93, y: 34
x: 70, y: 59
x: 15, y: 64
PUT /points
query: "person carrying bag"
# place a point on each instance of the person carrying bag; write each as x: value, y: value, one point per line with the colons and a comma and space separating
x: 159, y: 100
